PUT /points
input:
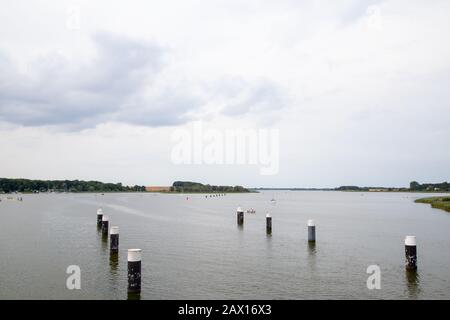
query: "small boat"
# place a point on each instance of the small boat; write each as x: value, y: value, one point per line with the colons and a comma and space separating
x: 251, y: 210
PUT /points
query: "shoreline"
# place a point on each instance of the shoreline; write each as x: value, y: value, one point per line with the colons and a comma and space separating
x: 442, y: 203
x: 113, y: 192
x: 356, y: 191
x: 237, y: 192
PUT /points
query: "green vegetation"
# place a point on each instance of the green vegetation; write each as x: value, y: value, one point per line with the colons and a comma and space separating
x: 351, y: 188
x: 415, y: 186
x: 25, y: 185
x: 194, y: 187
x: 436, y: 202
x: 368, y: 189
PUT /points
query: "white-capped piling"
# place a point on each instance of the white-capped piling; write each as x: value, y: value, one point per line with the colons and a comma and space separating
x: 99, y: 217
x: 240, y: 216
x: 134, y: 270
x: 411, y: 253
x: 105, y: 225
x: 114, y: 239
x: 311, y: 231
x: 268, y: 223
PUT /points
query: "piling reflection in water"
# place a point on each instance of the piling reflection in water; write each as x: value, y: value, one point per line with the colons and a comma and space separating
x: 114, y: 262
x: 412, y: 283
x: 269, y: 241
x: 312, y: 259
x: 104, y: 241
x: 133, y: 296
x: 311, y: 248
x: 269, y: 252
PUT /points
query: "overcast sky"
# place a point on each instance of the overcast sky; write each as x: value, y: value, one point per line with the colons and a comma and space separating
x: 359, y: 91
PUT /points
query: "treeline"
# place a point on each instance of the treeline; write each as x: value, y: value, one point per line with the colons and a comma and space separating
x: 25, y: 185
x: 415, y: 186
x: 350, y: 188
x: 294, y: 189
x: 188, y: 186
x: 365, y: 189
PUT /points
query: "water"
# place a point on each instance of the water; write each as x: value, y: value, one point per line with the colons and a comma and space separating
x: 193, y: 249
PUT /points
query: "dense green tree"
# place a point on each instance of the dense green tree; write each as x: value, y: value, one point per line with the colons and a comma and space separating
x: 188, y: 186
x: 414, y: 185
x: 24, y: 185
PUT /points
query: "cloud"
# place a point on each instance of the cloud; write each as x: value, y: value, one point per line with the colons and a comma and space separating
x: 111, y: 87
x: 257, y: 97
x: 165, y: 108
x: 126, y: 81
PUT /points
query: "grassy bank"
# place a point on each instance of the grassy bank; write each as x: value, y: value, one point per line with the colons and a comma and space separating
x: 437, y: 202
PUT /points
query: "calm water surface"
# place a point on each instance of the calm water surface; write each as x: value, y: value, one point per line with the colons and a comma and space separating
x: 193, y: 249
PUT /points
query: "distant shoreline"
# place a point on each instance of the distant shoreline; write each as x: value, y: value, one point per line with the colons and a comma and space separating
x: 230, y: 192
x: 442, y: 203
x: 19, y: 185
x: 112, y: 192
x: 371, y: 191
x: 207, y: 193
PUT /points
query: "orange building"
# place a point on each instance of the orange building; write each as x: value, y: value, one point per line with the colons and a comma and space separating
x: 157, y: 189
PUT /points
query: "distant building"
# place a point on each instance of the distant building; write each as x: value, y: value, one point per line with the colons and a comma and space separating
x: 157, y: 189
